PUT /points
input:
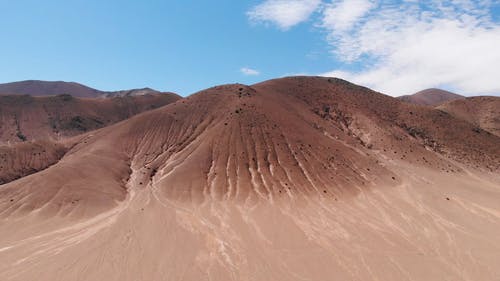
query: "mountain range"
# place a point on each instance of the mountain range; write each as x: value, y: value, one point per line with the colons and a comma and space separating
x: 297, y: 178
x: 52, y: 88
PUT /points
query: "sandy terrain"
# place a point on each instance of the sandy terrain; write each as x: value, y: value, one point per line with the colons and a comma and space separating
x: 406, y: 232
x: 290, y: 179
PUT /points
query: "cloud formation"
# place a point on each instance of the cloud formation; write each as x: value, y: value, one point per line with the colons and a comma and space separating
x: 406, y: 46
x: 283, y: 13
x: 249, y: 71
x: 343, y: 15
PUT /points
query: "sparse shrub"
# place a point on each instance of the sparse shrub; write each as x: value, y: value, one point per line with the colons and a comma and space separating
x: 65, y: 97
x: 21, y: 136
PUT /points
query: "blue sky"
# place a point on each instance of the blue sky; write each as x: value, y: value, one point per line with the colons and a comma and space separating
x: 186, y: 46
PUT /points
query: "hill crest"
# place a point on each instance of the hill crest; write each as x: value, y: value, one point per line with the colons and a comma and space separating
x: 431, y: 97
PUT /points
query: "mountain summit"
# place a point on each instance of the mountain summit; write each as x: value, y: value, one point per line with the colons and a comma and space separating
x: 432, y: 97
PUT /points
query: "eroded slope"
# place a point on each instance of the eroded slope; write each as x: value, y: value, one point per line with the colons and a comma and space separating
x: 279, y: 139
x: 21, y: 159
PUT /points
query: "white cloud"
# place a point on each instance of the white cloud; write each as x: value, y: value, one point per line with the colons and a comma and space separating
x: 249, y: 71
x: 447, y: 43
x: 405, y: 46
x: 342, y: 15
x: 283, y: 13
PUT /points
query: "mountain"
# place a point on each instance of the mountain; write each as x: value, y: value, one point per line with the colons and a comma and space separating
x: 483, y: 112
x: 299, y: 178
x: 432, y: 97
x: 26, y: 118
x: 35, y: 132
x: 48, y: 88
x: 52, y: 88
x: 133, y: 93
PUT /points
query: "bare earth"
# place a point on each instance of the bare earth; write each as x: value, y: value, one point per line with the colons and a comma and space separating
x: 483, y: 112
x: 291, y: 179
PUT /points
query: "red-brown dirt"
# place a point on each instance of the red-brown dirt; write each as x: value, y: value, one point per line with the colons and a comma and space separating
x: 483, y: 112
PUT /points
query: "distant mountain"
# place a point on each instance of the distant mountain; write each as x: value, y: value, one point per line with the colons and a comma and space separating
x: 132, y: 93
x: 27, y: 118
x: 49, y: 88
x: 431, y: 97
x: 53, y: 88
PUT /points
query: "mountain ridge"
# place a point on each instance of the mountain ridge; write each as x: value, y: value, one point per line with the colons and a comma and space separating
x: 350, y: 125
x: 54, y: 88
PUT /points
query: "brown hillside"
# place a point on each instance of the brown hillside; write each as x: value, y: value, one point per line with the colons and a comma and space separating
x: 483, y: 112
x: 26, y: 158
x: 276, y: 139
x: 25, y: 118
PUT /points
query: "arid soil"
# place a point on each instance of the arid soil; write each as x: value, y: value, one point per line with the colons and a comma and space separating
x: 299, y: 178
x: 483, y: 112
x: 21, y: 159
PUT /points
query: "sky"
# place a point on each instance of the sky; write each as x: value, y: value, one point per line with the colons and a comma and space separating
x: 395, y: 47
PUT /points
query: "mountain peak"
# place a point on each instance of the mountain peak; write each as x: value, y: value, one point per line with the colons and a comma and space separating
x: 431, y: 97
